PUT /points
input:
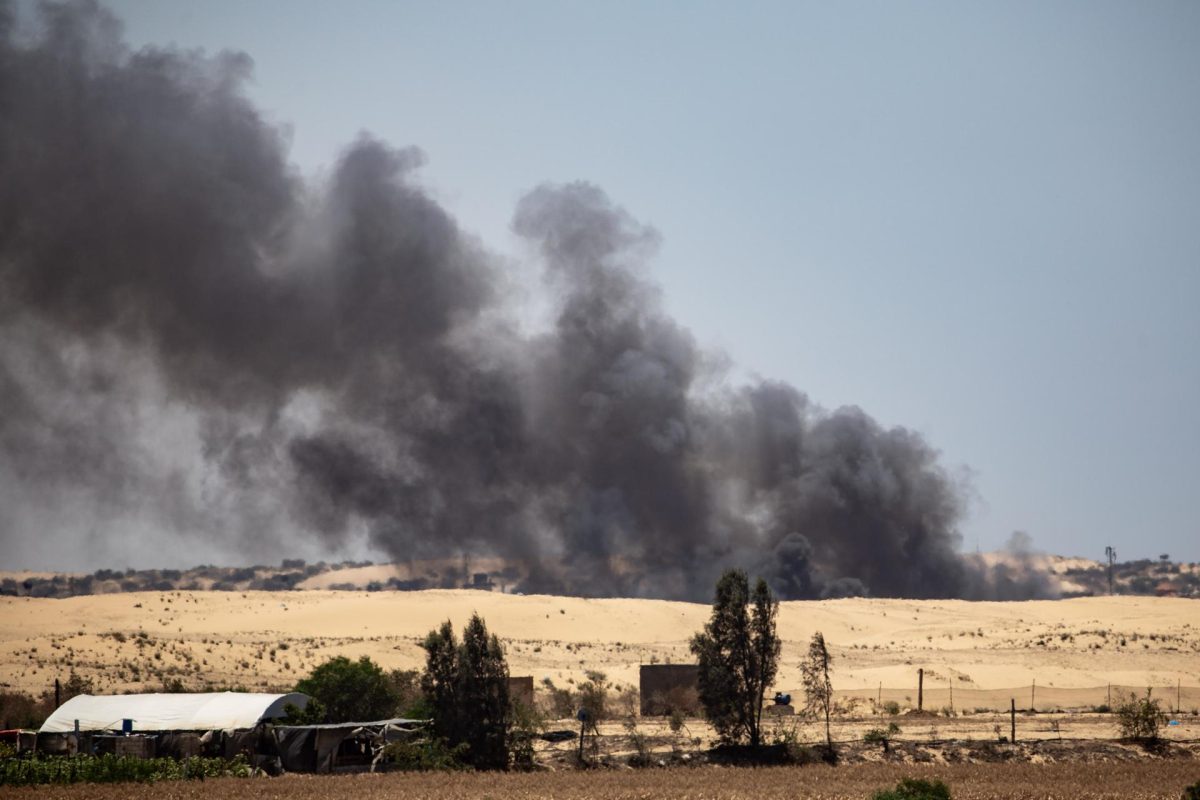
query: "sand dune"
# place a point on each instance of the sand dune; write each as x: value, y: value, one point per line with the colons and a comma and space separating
x: 255, y: 639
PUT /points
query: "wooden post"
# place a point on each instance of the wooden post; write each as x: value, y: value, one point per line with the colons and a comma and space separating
x: 1012, y: 712
x: 1109, y: 703
x: 920, y: 689
x: 582, y: 733
x: 951, y: 694
x: 1032, y: 694
x: 57, y: 693
x: 879, y: 697
x: 1178, y: 693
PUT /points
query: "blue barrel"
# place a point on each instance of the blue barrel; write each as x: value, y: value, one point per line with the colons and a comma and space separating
x: 126, y: 726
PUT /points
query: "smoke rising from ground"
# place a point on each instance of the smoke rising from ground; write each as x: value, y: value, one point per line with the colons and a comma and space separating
x: 198, y: 345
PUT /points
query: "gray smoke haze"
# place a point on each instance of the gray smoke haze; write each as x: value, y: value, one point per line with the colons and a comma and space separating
x: 199, y: 345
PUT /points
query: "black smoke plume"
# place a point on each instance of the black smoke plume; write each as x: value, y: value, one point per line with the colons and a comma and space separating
x: 199, y: 345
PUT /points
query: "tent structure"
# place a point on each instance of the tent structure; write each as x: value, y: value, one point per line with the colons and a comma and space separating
x: 325, y: 748
x: 170, y: 712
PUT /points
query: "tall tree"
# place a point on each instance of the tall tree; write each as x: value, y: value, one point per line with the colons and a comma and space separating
x: 467, y: 687
x: 738, y: 655
x: 818, y: 690
x: 439, y: 682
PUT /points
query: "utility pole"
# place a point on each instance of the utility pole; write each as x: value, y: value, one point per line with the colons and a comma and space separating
x: 1111, y: 555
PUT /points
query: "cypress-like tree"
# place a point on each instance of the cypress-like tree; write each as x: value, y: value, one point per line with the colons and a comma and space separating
x: 467, y: 687
x: 818, y: 689
x: 439, y: 682
x: 738, y: 655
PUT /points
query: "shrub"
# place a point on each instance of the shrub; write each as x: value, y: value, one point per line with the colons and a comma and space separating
x: 891, y: 707
x: 910, y: 789
x: 639, y: 742
x: 527, y: 724
x: 593, y: 696
x: 1192, y: 792
x: 882, y: 736
x: 1140, y: 717
x: 560, y: 702
x: 311, y: 714
x: 425, y: 755
x: 19, y: 710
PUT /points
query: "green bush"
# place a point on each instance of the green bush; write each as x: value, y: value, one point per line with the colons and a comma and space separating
x: 1140, y: 717
x: 1192, y: 792
x: 426, y: 755
x: 560, y: 702
x: 116, y: 769
x: 910, y: 789
x: 593, y: 696
x: 527, y: 724
x: 882, y: 736
x: 891, y: 707
x: 351, y: 691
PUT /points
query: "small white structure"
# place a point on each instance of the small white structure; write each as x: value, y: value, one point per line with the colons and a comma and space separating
x: 170, y: 712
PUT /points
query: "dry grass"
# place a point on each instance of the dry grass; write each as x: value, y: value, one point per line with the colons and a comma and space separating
x: 1139, y: 781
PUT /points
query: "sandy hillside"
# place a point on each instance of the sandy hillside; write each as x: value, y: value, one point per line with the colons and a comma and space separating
x: 259, y: 639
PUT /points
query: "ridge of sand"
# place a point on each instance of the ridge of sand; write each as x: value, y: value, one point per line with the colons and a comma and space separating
x: 129, y: 642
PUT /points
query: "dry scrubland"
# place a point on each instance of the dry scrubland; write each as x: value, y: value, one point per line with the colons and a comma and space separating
x: 1139, y: 781
x: 130, y: 642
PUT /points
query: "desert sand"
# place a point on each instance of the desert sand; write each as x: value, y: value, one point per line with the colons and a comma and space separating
x: 130, y: 642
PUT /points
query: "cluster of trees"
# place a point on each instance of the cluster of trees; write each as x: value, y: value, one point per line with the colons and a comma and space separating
x: 463, y: 691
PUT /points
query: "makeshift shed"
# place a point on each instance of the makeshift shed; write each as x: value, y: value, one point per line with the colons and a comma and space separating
x: 344, y: 745
x: 171, y: 712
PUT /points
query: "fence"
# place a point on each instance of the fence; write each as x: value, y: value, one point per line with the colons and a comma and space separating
x: 1035, y: 697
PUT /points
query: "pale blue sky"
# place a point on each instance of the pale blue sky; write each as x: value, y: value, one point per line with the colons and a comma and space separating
x: 978, y: 220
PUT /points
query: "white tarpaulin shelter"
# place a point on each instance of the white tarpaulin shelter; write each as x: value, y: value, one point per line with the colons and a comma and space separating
x: 170, y: 712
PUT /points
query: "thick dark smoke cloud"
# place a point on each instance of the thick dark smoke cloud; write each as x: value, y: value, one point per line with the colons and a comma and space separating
x: 197, y: 344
